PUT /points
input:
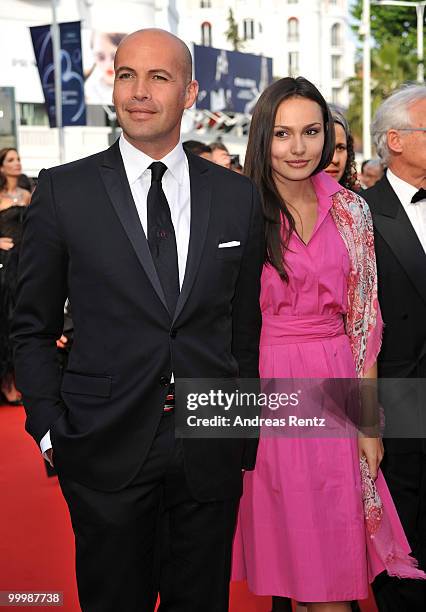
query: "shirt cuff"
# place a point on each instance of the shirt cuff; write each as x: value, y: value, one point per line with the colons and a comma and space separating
x: 45, y: 445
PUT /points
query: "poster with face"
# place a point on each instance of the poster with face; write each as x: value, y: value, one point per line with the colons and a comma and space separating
x: 99, y: 50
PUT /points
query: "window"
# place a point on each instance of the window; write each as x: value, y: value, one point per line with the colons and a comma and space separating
x: 293, y: 64
x: 206, y: 3
x: 336, y: 35
x: 33, y: 114
x: 248, y: 25
x: 336, y: 67
x: 293, y: 30
x: 206, y: 34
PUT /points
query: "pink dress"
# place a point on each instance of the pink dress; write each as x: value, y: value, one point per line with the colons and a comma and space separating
x: 301, y: 531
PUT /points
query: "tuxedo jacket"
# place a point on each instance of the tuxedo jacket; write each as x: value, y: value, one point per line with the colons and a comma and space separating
x: 401, y: 269
x: 83, y: 239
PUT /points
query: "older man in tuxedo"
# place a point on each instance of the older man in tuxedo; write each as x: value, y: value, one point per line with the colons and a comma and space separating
x: 398, y: 206
x: 160, y: 253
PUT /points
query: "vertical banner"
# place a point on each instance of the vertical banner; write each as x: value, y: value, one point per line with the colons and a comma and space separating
x: 73, y: 105
x: 229, y: 80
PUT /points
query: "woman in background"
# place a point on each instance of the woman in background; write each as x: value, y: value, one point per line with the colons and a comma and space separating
x: 13, y: 200
x: 342, y: 167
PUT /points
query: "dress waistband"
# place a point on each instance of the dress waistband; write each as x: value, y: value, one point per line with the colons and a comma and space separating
x: 290, y: 329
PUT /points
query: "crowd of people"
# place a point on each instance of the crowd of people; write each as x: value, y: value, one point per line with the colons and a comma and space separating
x: 293, y: 267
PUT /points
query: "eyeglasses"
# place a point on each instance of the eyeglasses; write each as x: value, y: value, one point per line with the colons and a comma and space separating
x: 423, y: 129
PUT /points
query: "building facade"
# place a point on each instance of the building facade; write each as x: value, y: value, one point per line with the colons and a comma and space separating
x: 311, y: 38
x: 304, y: 37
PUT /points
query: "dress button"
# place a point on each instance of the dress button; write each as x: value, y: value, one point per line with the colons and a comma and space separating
x: 173, y: 333
x: 164, y: 381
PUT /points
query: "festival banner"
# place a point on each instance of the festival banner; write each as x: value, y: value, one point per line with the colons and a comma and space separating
x: 73, y: 104
x: 230, y: 81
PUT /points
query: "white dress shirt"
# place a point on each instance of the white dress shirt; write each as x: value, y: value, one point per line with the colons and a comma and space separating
x: 415, y: 212
x: 176, y: 187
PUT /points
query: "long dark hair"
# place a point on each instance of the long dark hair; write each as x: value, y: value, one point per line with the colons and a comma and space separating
x: 258, y: 161
x: 349, y: 179
x: 3, y: 153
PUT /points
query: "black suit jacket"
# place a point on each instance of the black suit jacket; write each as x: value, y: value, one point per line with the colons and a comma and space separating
x: 83, y: 239
x: 401, y: 267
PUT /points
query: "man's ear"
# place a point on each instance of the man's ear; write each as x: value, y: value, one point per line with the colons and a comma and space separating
x: 394, y: 141
x: 191, y: 94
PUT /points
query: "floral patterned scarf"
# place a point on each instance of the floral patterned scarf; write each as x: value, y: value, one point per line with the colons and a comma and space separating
x: 363, y: 321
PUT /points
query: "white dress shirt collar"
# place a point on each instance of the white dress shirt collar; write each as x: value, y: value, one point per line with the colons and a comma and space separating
x: 136, y: 161
x: 403, y: 190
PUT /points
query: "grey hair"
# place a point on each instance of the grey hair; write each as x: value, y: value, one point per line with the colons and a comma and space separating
x: 375, y: 162
x: 394, y: 113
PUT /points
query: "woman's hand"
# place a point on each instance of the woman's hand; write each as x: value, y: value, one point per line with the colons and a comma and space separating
x: 6, y: 244
x: 372, y: 449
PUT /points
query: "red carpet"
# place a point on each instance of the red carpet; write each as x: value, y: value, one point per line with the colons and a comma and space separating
x: 36, y: 540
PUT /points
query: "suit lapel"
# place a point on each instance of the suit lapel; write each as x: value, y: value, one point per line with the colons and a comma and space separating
x: 394, y: 226
x: 200, y: 213
x: 116, y: 184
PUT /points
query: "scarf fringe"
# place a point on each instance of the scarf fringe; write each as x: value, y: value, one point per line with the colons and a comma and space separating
x: 400, y: 565
x: 380, y: 529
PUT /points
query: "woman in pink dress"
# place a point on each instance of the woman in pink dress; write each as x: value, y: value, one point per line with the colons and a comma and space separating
x: 302, y: 531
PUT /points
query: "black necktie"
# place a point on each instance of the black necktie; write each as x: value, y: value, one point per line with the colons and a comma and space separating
x: 419, y: 195
x: 161, y: 237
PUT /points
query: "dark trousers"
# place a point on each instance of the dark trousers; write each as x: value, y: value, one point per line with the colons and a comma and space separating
x: 152, y: 537
x: 405, y: 475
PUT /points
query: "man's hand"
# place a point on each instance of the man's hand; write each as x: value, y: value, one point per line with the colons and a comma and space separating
x: 62, y: 342
x: 49, y: 455
x: 372, y: 449
x: 6, y: 244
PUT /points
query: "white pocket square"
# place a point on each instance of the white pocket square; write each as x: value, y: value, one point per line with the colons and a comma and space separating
x: 226, y: 245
